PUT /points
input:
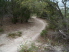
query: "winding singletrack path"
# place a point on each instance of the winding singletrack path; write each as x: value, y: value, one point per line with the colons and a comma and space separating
x: 30, y: 34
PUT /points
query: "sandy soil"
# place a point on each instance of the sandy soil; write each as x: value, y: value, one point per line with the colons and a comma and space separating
x: 30, y: 32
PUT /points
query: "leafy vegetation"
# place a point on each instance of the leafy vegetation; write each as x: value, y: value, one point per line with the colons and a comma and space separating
x: 14, y: 35
x: 21, y: 11
x: 32, y: 48
x: 44, y: 33
x: 1, y: 30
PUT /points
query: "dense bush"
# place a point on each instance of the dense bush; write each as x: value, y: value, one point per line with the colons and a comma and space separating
x: 52, y: 26
x: 43, y: 15
x: 14, y: 20
x: 25, y: 14
x: 43, y: 33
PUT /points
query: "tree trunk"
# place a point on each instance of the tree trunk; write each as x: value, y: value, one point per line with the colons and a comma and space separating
x: 65, y: 9
x: 60, y: 13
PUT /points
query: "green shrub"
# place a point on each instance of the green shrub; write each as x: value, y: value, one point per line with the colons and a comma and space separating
x: 19, y: 33
x: 43, y: 15
x: 1, y: 30
x: 25, y: 48
x: 25, y: 14
x: 64, y: 24
x: 14, y: 20
x: 13, y: 35
x: 52, y: 26
x: 44, y: 33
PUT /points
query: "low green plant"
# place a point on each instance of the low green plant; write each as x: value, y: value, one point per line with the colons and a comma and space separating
x: 13, y: 35
x: 19, y: 33
x: 43, y: 33
x: 25, y: 48
x: 1, y: 30
x: 52, y: 26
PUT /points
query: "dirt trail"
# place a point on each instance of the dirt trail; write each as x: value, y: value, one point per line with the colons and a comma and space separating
x: 29, y: 34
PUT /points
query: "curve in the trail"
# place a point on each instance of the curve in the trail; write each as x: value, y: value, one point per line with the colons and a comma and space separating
x: 30, y: 34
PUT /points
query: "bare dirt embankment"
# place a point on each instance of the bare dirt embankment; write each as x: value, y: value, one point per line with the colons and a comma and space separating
x: 30, y: 32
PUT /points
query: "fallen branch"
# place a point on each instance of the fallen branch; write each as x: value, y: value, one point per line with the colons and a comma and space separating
x: 64, y: 36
